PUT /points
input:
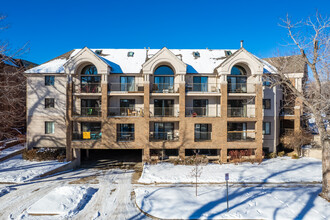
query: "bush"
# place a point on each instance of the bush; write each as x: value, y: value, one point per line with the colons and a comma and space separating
x: 271, y: 155
x: 295, y: 140
x: 294, y: 156
x: 238, y: 156
x: 44, y: 154
x: 281, y: 154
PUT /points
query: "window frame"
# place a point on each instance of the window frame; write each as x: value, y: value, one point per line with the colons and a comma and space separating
x: 209, y: 130
x: 49, y: 80
x: 264, y: 104
x: 49, y: 104
x: 52, y: 129
x: 264, y: 128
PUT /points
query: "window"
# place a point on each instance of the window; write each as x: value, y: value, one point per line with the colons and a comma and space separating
x: 266, y: 103
x: 49, y: 127
x: 127, y: 83
x: 127, y: 106
x: 49, y: 80
x: 200, y: 84
x: 164, y: 107
x: 203, y: 132
x: 130, y: 54
x: 200, y: 107
x: 163, y: 131
x: 196, y: 54
x: 228, y: 53
x: 98, y: 52
x: 91, y: 130
x: 125, y: 132
x: 266, y: 128
x: 164, y: 82
x: 49, y: 103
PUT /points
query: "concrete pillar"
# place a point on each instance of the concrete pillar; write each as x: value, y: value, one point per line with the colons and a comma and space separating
x: 68, y: 121
x: 146, y: 100
x: 223, y: 123
x: 259, y: 121
x: 145, y: 155
x: 77, y: 156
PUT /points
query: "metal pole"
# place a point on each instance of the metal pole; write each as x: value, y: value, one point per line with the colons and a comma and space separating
x: 227, y: 196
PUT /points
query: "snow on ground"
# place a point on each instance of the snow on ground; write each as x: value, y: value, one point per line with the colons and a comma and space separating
x: 62, y: 201
x: 244, y: 202
x: 11, y: 150
x: 281, y: 169
x: 18, y: 170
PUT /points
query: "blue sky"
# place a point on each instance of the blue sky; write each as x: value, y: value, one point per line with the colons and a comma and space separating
x: 55, y: 27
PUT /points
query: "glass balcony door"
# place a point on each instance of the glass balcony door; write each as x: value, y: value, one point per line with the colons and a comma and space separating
x: 237, y: 84
x: 200, y: 107
x: 127, y: 83
x: 200, y: 84
x: 127, y: 106
x: 164, y: 107
x: 164, y: 84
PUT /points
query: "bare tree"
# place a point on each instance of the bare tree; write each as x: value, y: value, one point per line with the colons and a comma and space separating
x: 12, y: 88
x: 311, y: 39
x: 197, y: 170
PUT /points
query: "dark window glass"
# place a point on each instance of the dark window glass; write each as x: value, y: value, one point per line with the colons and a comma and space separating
x: 200, y: 84
x: 127, y: 83
x: 49, y: 103
x: 125, y: 132
x: 203, y: 132
x: 49, y: 127
x: 89, y: 70
x: 49, y: 80
x: 164, y: 107
x: 163, y: 70
x: 266, y: 103
x: 163, y: 131
x: 200, y: 107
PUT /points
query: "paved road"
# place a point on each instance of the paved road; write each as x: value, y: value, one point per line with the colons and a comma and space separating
x: 111, y: 201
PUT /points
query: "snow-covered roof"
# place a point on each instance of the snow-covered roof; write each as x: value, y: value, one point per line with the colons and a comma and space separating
x: 120, y: 62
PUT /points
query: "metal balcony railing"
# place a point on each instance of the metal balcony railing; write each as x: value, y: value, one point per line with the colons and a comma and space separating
x: 203, y: 87
x: 87, y: 88
x: 125, y: 112
x: 164, y: 112
x: 88, y: 135
x: 241, y: 136
x: 163, y: 136
x: 90, y: 111
x: 202, y: 136
x: 163, y: 88
x: 125, y: 136
x: 209, y: 111
x: 237, y: 111
x: 126, y: 87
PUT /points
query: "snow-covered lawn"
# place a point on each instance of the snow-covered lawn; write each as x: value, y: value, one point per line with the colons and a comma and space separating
x: 277, y: 170
x: 245, y: 203
x: 63, y: 201
x: 18, y: 170
x: 11, y: 150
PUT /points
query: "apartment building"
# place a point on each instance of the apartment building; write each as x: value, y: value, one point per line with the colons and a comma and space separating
x: 160, y: 102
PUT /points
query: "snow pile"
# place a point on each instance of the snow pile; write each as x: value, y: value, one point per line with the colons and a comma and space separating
x: 64, y: 201
x: 244, y: 203
x: 18, y: 170
x: 11, y: 150
x: 283, y: 169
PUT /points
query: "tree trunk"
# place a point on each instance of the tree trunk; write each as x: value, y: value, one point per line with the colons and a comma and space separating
x: 326, y: 170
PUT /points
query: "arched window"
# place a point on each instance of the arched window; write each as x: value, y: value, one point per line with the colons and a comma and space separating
x: 237, y: 80
x: 164, y: 80
x: 89, y: 70
x: 164, y: 70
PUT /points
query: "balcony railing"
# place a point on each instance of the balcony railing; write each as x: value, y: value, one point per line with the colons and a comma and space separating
x: 202, y: 136
x: 88, y: 135
x: 241, y: 87
x: 89, y: 111
x: 241, y: 136
x: 287, y: 111
x: 87, y: 88
x: 202, y: 111
x: 125, y: 112
x: 163, y: 88
x: 202, y: 87
x: 126, y: 87
x: 125, y: 136
x: 164, y: 112
x: 163, y: 136
x: 237, y: 112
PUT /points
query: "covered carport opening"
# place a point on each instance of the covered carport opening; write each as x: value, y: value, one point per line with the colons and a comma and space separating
x: 111, y: 155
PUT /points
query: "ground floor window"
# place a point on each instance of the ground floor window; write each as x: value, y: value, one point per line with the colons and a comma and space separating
x: 266, y: 128
x: 203, y: 132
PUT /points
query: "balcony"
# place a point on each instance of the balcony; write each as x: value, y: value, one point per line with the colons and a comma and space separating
x: 125, y: 112
x: 164, y: 136
x: 90, y: 135
x: 241, y: 136
x: 237, y: 111
x: 126, y: 87
x: 202, y: 136
x: 209, y: 111
x: 203, y: 87
x: 287, y: 111
x: 87, y: 88
x: 90, y: 111
x: 164, y: 88
x: 164, y: 112
x: 241, y: 87
x: 125, y: 136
